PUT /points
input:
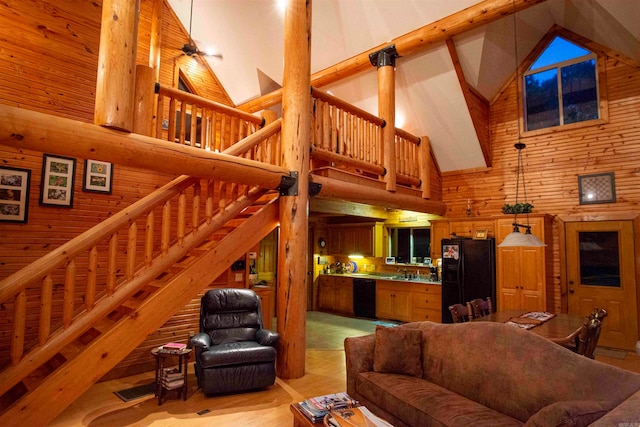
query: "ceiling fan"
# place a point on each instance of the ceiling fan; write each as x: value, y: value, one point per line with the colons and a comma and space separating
x: 190, y: 49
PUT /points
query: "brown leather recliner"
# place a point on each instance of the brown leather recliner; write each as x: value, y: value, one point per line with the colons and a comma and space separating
x: 233, y: 351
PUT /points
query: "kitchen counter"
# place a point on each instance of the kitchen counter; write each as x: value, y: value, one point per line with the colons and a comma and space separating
x: 383, y: 276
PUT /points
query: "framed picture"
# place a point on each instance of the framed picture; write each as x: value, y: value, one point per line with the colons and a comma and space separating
x: 480, y: 234
x: 450, y: 251
x: 597, y: 188
x: 98, y: 176
x: 57, y: 181
x: 14, y: 194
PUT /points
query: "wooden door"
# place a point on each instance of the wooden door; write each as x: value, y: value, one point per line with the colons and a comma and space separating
x: 532, y: 274
x: 268, y: 259
x: 508, y: 278
x: 601, y: 273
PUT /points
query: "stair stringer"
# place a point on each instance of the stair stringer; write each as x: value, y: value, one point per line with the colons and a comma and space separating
x: 71, y: 380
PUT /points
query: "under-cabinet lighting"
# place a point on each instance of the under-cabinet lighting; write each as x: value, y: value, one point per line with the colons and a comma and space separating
x: 356, y: 256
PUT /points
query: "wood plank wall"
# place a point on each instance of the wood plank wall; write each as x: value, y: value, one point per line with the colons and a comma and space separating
x: 553, y: 162
x: 48, y: 63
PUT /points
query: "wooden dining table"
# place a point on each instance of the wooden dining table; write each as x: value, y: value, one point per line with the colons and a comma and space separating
x: 560, y: 326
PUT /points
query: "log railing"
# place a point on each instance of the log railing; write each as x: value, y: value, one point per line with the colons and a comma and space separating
x: 97, y: 271
x: 216, y: 128
x: 345, y: 134
x: 350, y: 138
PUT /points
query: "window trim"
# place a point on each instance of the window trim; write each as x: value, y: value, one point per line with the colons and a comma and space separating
x: 601, y: 80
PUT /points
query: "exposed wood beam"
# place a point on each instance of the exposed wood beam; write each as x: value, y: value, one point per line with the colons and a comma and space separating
x: 339, y: 207
x: 477, y: 105
x: 31, y: 130
x: 411, y: 43
x: 336, y: 189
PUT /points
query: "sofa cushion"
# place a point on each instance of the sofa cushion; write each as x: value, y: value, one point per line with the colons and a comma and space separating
x: 625, y: 413
x: 398, y: 351
x: 575, y: 413
x: 417, y: 402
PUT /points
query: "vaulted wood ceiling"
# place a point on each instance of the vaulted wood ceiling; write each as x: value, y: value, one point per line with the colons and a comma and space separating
x: 429, y: 96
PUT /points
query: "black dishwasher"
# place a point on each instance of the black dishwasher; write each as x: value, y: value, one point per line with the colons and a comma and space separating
x: 364, y: 298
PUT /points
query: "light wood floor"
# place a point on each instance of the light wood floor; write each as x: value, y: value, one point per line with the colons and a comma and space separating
x: 325, y: 373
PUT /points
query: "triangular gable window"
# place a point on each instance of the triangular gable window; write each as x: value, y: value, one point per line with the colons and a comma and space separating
x: 561, y: 86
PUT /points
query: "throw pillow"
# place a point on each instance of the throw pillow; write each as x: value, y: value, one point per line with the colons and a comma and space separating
x: 572, y: 413
x: 398, y: 351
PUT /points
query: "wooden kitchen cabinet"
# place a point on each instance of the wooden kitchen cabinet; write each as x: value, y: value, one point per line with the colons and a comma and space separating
x: 523, y: 274
x: 426, y: 302
x: 466, y: 228
x: 360, y: 239
x: 393, y: 300
x: 335, y: 294
x: 439, y: 231
x: 521, y: 278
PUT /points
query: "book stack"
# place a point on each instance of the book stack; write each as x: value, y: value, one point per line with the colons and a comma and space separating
x: 172, y: 348
x: 316, y: 408
x: 172, y: 378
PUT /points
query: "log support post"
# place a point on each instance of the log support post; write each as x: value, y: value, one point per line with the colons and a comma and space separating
x: 143, y: 119
x: 294, y: 213
x: 385, y: 61
x: 115, y: 86
x: 425, y: 166
x: 155, y: 45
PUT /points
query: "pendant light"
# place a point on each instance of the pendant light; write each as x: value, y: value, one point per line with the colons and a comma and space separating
x: 516, y: 238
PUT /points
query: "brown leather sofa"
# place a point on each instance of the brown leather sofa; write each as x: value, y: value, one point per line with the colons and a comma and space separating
x: 484, y: 374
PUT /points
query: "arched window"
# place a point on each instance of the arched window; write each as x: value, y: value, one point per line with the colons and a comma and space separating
x: 561, y: 86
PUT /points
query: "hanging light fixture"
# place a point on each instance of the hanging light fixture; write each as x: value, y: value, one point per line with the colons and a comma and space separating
x: 516, y: 238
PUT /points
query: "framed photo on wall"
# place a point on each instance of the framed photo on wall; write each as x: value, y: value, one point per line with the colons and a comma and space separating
x: 597, y: 188
x: 57, y: 181
x: 98, y: 176
x: 480, y: 234
x: 14, y: 194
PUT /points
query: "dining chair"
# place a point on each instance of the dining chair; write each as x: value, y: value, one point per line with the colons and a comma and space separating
x: 594, y: 327
x: 584, y: 340
x: 460, y: 313
x: 480, y: 307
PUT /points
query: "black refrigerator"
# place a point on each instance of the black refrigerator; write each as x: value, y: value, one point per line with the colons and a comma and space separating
x: 468, y: 272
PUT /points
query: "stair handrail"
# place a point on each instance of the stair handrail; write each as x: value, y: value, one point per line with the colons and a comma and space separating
x: 16, y: 284
x: 11, y: 285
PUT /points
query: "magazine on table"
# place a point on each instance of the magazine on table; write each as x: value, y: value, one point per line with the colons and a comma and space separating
x: 359, y: 416
x: 542, y: 316
x: 316, y: 408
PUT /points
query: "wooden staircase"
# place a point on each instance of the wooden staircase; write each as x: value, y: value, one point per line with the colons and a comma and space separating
x: 40, y: 396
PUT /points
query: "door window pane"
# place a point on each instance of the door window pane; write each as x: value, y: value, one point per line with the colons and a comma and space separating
x: 599, y: 258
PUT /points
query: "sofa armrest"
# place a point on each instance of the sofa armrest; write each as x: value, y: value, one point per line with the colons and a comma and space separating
x: 625, y: 414
x: 359, y: 358
x: 267, y: 337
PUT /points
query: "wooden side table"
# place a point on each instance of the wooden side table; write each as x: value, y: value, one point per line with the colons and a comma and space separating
x: 161, y: 359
